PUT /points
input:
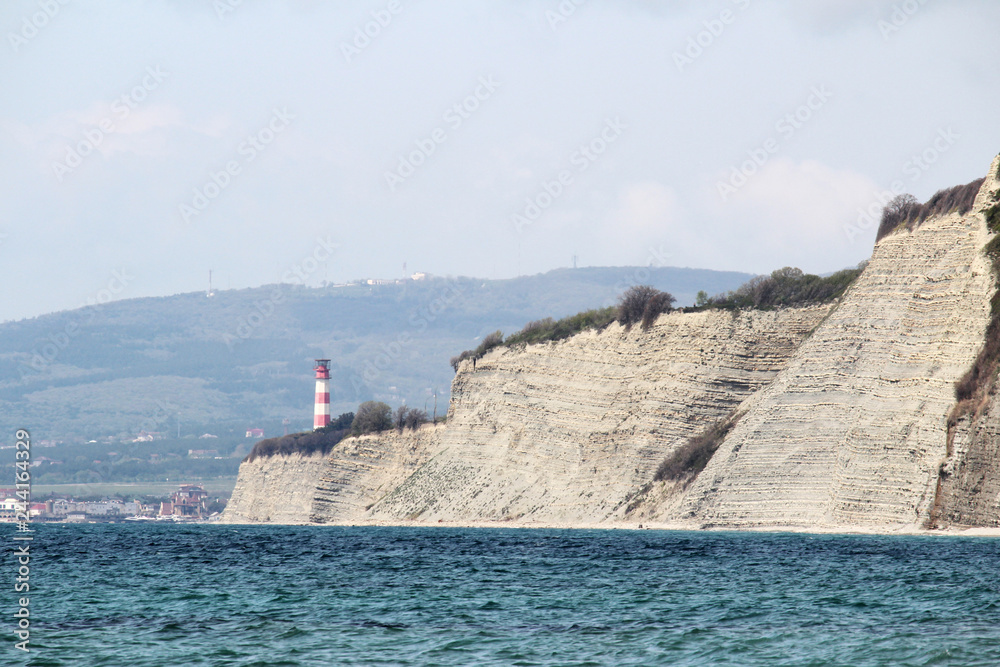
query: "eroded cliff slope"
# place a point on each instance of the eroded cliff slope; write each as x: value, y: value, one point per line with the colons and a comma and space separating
x: 275, y: 489
x: 559, y: 432
x: 853, y: 432
x: 567, y: 431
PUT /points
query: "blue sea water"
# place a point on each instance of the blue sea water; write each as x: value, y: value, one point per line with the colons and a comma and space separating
x: 138, y: 595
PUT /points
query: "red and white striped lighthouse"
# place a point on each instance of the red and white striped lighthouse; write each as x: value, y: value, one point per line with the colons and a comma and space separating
x: 321, y: 416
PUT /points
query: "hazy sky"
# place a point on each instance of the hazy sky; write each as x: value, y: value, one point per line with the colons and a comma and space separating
x: 144, y: 143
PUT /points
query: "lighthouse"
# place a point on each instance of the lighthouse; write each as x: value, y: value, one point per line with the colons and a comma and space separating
x: 321, y: 415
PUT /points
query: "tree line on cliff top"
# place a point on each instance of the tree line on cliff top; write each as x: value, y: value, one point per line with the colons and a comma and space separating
x: 642, y: 304
x: 371, y: 417
x: 905, y: 210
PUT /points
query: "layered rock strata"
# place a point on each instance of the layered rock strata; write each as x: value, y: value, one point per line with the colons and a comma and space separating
x: 276, y: 489
x: 968, y: 491
x: 854, y: 431
x: 559, y: 432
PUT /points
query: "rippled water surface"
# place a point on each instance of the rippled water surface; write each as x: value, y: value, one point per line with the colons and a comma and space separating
x: 139, y: 595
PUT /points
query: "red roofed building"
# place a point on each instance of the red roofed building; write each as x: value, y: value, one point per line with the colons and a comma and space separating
x: 189, y: 500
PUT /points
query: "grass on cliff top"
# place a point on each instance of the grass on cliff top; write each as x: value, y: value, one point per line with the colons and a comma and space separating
x: 639, y: 304
x: 306, y: 443
x: 541, y: 331
x: 371, y: 417
x: 321, y: 440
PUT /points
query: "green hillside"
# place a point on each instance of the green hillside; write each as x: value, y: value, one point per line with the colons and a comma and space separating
x: 188, y: 364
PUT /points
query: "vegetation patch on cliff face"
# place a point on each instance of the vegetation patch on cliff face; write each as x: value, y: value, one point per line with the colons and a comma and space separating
x: 687, y: 461
x: 971, y: 388
x: 905, y: 210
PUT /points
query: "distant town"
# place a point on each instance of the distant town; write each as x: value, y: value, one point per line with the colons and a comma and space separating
x: 189, y: 503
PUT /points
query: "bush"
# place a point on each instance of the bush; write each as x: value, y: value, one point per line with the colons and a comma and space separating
x: 341, y: 423
x: 899, y: 209
x: 787, y: 287
x: 372, y: 417
x: 688, y: 460
x: 416, y: 418
x: 410, y: 418
x: 642, y: 303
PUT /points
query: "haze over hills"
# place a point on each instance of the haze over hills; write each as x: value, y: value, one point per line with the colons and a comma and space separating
x: 243, y: 358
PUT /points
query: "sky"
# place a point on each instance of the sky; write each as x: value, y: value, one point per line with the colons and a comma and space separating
x: 144, y: 144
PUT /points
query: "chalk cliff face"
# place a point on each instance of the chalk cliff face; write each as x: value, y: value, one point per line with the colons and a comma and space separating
x: 278, y: 489
x: 853, y: 432
x: 969, y: 492
x: 362, y: 471
x: 843, y: 417
x: 969, y: 484
x: 560, y: 432
x: 567, y: 431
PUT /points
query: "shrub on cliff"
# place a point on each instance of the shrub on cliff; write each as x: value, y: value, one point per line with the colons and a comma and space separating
x: 993, y: 218
x: 786, y: 287
x: 411, y: 418
x: 899, y: 209
x: 372, y: 417
x: 642, y: 303
x: 688, y: 460
x: 321, y: 440
x: 341, y: 423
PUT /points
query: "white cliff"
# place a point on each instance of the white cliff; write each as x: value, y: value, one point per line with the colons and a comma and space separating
x: 843, y: 417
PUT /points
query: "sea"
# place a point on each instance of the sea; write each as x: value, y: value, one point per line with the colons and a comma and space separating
x: 152, y: 594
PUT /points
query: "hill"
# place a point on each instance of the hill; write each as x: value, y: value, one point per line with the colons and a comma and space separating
x: 186, y: 365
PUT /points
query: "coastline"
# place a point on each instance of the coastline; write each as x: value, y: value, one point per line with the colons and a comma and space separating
x: 660, y: 526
